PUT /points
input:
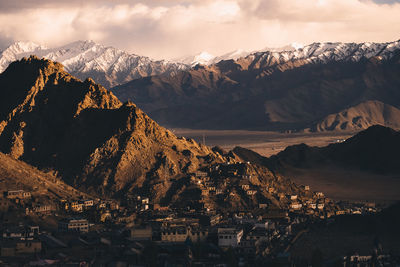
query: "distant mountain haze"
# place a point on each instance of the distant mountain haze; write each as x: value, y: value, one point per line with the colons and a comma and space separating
x: 297, y: 89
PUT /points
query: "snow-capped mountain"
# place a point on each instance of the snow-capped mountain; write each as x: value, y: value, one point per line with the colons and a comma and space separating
x: 14, y: 51
x: 110, y: 66
x: 325, y: 52
x: 313, y: 53
x: 106, y: 65
x: 290, y: 47
x: 274, y: 90
x: 205, y: 58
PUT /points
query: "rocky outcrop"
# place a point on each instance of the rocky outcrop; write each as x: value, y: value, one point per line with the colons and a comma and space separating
x: 84, y: 133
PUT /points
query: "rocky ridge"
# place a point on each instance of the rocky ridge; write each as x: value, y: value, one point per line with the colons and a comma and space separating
x: 85, y: 134
x: 360, y: 117
x: 82, y: 134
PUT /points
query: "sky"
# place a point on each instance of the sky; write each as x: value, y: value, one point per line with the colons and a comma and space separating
x: 168, y: 29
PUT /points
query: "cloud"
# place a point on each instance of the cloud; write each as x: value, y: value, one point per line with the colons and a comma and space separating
x: 174, y: 28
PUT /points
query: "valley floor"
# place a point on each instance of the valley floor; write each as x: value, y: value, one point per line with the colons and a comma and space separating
x: 263, y: 142
x: 336, y: 184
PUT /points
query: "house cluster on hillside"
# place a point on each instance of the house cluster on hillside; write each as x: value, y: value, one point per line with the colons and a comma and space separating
x: 139, y: 231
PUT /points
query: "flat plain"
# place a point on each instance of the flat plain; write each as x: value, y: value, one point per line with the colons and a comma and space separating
x: 263, y: 142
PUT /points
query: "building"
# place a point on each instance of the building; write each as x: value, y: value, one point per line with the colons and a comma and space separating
x: 141, y: 233
x: 73, y: 225
x: 18, y: 246
x: 76, y: 206
x: 42, y: 208
x: 88, y: 203
x: 21, y: 231
x: 271, y: 189
x: 296, y: 205
x: 251, y: 192
x: 312, y: 206
x: 180, y: 233
x: 229, y: 237
x: 340, y: 212
x: 13, y: 194
x: 245, y: 186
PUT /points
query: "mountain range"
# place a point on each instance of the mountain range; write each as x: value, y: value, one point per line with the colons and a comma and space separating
x: 82, y: 135
x: 287, y: 90
x: 106, y: 65
x: 317, y: 87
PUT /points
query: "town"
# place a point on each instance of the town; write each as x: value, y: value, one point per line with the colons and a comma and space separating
x: 224, y: 217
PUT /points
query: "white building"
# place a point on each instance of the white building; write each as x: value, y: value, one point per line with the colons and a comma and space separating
x: 74, y: 225
x: 296, y: 206
x: 229, y: 237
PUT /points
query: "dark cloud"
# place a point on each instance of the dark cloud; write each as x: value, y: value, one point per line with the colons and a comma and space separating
x: 390, y: 2
x: 15, y: 5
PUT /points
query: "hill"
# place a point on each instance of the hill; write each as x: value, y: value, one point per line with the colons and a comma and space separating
x: 86, y: 135
x: 360, y: 117
x: 17, y: 175
x: 374, y: 149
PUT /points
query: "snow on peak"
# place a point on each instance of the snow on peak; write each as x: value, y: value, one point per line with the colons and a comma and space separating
x: 232, y: 55
x: 112, y: 66
x: 328, y: 51
x: 16, y: 51
x: 297, y: 45
x: 205, y: 58
x: 109, y: 65
x: 23, y: 47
